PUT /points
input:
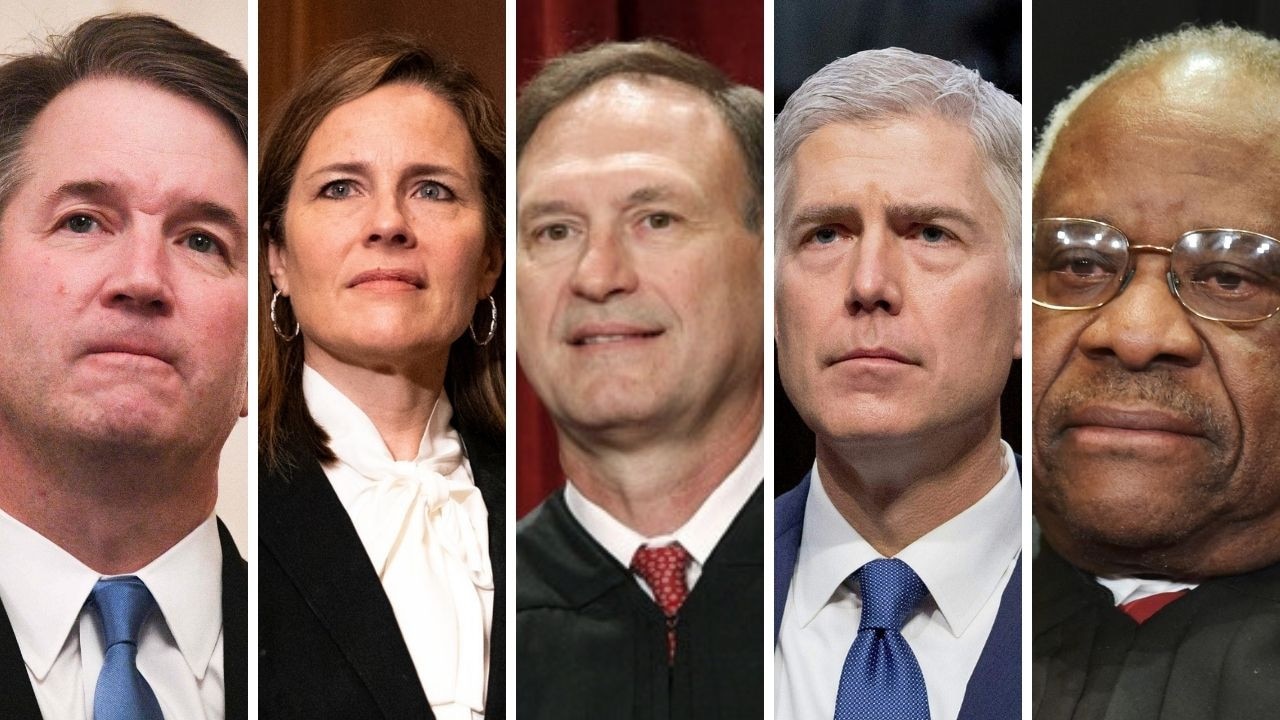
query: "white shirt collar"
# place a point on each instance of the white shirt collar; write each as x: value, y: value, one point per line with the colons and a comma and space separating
x: 1128, y: 589
x: 44, y: 589
x: 960, y: 561
x: 701, y: 532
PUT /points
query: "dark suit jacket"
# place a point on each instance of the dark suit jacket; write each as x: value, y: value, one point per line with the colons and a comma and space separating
x: 18, y: 699
x: 1213, y: 653
x: 329, y: 644
x: 994, y: 691
x: 590, y: 644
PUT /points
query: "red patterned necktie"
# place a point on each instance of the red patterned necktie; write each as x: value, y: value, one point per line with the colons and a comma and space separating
x: 1142, y: 609
x: 663, y: 569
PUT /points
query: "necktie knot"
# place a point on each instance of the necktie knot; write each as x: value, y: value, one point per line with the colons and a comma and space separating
x: 663, y: 569
x: 123, y: 604
x: 891, y: 590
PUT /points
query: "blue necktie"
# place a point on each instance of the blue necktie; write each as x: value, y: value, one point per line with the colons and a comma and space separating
x: 122, y: 693
x: 881, y: 679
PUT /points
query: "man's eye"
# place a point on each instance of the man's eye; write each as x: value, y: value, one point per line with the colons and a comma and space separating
x: 433, y: 190
x: 558, y: 231
x: 825, y: 235
x: 202, y: 243
x: 932, y: 235
x: 658, y: 221
x: 81, y: 224
x: 338, y: 189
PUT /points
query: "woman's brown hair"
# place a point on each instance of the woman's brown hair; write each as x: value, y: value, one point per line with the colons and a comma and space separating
x: 474, y: 379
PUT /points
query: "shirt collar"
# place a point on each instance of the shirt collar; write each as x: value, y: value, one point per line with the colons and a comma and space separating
x: 701, y: 532
x: 961, y: 561
x: 44, y: 589
x: 1129, y: 589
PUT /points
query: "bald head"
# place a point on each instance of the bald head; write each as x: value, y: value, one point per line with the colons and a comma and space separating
x: 1218, y: 79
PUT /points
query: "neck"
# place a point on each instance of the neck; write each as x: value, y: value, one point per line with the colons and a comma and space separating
x: 1228, y: 548
x: 114, y: 510
x: 895, y: 493
x: 398, y: 399
x: 656, y: 486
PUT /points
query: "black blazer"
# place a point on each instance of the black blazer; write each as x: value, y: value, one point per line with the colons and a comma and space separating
x: 1213, y: 653
x: 591, y: 644
x: 328, y: 642
x: 18, y: 699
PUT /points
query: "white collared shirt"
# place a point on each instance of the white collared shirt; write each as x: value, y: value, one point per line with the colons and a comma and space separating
x: 431, y: 553
x: 699, y: 535
x: 966, y: 563
x: 1128, y: 589
x: 44, y: 590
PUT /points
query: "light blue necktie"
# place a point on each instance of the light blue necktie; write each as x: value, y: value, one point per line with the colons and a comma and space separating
x: 122, y: 693
x: 881, y: 679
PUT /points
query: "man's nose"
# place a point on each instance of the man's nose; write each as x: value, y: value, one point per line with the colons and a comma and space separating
x: 139, y: 272
x: 875, y: 269
x: 604, y: 267
x: 1144, y: 325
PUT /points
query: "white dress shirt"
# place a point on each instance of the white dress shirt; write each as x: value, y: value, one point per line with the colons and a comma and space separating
x: 425, y: 528
x: 1128, y: 589
x: 966, y: 563
x: 45, y: 589
x: 699, y: 535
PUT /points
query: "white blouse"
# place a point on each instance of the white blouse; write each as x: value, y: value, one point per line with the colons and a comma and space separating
x: 424, y: 525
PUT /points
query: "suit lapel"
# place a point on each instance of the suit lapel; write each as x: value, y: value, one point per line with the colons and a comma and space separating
x: 995, y: 687
x: 316, y: 544
x: 488, y: 468
x: 18, y: 698
x: 788, y: 515
x: 235, y: 626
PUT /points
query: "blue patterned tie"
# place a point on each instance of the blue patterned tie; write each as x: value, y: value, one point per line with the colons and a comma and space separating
x: 881, y: 679
x: 122, y: 693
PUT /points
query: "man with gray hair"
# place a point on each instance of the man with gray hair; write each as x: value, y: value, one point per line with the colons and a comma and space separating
x: 1156, y: 283
x: 897, y: 575
x: 123, y: 303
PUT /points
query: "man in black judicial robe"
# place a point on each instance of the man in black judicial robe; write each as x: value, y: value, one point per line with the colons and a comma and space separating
x: 1156, y: 593
x: 639, y: 585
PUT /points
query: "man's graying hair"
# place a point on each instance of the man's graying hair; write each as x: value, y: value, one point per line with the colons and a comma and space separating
x: 741, y: 107
x: 881, y: 86
x: 1253, y: 54
x: 145, y: 48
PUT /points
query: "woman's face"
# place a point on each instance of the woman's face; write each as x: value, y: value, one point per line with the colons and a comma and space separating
x: 385, y: 255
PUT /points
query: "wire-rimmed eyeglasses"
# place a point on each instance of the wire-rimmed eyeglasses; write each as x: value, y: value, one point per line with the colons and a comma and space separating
x: 1218, y: 274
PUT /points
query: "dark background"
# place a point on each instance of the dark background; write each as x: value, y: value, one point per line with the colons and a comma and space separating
x: 1073, y: 41
x: 982, y: 34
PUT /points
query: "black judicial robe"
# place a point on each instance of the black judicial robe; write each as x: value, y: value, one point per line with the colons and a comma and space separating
x: 1212, y: 654
x: 591, y: 644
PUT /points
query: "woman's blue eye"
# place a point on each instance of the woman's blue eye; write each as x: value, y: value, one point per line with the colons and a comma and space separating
x: 337, y: 189
x: 432, y: 190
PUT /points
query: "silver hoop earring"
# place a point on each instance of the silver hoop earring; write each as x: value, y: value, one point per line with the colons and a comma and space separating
x: 297, y: 326
x: 493, y: 324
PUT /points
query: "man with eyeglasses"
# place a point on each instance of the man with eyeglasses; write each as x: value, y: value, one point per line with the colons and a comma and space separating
x: 1156, y: 386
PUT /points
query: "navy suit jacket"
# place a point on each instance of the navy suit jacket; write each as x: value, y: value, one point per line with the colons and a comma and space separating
x: 995, y: 688
x: 18, y: 699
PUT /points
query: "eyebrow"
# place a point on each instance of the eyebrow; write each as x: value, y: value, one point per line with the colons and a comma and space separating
x: 362, y: 168
x: 97, y: 190
x: 828, y: 213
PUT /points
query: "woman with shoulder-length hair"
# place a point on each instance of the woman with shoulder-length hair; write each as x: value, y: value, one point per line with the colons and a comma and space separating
x: 381, y: 391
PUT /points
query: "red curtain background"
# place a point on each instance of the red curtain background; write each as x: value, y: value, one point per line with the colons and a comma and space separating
x: 728, y: 34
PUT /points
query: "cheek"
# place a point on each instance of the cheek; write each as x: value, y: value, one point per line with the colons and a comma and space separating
x: 1052, y: 341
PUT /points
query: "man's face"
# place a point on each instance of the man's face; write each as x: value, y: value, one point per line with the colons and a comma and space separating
x: 123, y: 274
x: 897, y: 315
x: 639, y: 287
x: 1156, y: 429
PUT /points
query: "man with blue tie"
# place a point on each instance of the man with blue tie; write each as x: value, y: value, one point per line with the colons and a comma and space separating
x: 897, y: 575
x: 123, y: 309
